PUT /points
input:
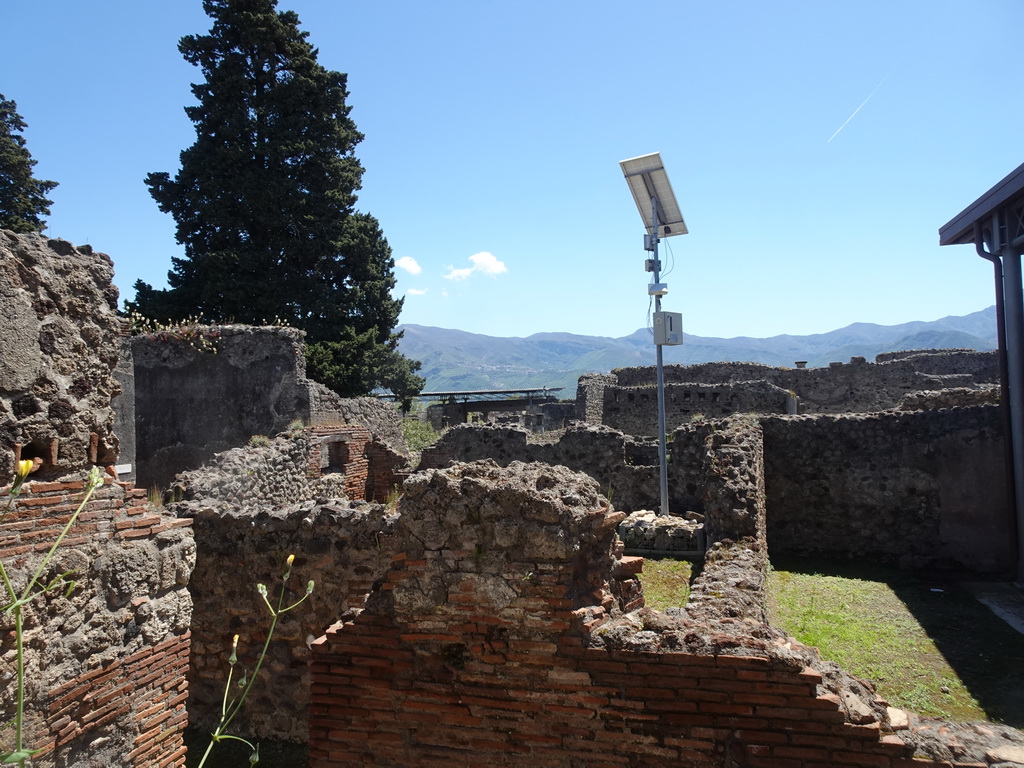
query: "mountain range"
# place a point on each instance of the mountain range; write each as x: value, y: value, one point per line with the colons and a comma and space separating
x: 459, y: 360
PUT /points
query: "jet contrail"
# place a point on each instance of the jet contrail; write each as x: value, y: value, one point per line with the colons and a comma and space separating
x: 858, y: 109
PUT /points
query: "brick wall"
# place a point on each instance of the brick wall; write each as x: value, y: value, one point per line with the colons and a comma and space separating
x: 544, y: 703
x: 106, y: 664
x: 524, y: 655
x: 336, y: 448
x: 371, y: 469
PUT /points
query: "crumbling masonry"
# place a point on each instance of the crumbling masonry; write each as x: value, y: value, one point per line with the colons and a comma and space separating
x: 489, y: 614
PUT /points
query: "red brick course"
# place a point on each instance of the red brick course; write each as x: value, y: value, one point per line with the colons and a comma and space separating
x: 148, y: 685
x: 372, y: 469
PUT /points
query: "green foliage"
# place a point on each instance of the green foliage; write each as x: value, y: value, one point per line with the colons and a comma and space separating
x: 23, y: 200
x: 419, y: 434
x: 264, y: 204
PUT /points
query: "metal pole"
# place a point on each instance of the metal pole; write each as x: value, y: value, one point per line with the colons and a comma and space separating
x: 1013, y: 295
x: 1004, y: 380
x: 662, y: 439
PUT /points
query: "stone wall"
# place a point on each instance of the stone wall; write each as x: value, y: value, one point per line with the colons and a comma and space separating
x: 304, y: 494
x: 625, y: 468
x: 204, y: 389
x: 858, y: 386
x: 634, y: 410
x: 60, y: 342
x: 921, y: 487
x: 502, y: 634
x: 123, y: 405
x: 590, y: 396
x: 381, y: 417
x: 105, y: 662
x: 733, y: 481
x: 209, y: 389
x: 342, y: 546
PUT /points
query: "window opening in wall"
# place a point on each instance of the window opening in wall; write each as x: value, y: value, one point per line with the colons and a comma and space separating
x: 337, y: 456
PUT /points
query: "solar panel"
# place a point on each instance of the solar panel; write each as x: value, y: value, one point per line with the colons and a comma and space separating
x: 647, y: 179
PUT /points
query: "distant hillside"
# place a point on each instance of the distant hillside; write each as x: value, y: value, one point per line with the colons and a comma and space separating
x: 456, y: 360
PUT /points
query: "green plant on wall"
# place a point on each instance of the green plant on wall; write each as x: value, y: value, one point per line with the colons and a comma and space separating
x: 17, y: 599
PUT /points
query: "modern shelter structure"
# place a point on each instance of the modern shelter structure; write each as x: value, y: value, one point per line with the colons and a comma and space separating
x: 995, y: 224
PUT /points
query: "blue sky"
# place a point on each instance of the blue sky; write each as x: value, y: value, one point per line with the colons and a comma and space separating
x: 494, y: 130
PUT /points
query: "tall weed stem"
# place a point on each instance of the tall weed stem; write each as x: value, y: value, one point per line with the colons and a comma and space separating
x: 230, y: 709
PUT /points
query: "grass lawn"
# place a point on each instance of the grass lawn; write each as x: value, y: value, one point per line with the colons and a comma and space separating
x: 666, y: 582
x: 929, y: 645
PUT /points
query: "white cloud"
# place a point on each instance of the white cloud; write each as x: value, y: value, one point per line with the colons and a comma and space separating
x: 409, y: 264
x: 416, y: 291
x: 484, y: 262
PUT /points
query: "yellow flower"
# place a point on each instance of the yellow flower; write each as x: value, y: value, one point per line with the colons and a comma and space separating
x: 24, y: 467
x: 291, y: 559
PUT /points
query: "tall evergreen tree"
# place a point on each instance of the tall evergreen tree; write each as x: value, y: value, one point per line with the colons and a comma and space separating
x: 265, y: 204
x: 23, y: 198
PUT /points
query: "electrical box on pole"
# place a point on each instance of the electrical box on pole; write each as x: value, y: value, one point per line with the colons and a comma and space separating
x: 668, y: 328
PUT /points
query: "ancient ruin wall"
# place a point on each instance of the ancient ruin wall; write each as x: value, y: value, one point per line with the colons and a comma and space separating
x: 207, y: 389
x: 251, y: 508
x: 106, y: 660
x: 106, y: 664
x: 634, y: 410
x: 192, y: 401
x: 857, y: 386
x: 381, y: 417
x: 590, y: 396
x: 923, y: 487
x: 625, y: 468
x: 499, y: 636
x: 732, y: 480
x: 60, y: 342
x: 343, y: 546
